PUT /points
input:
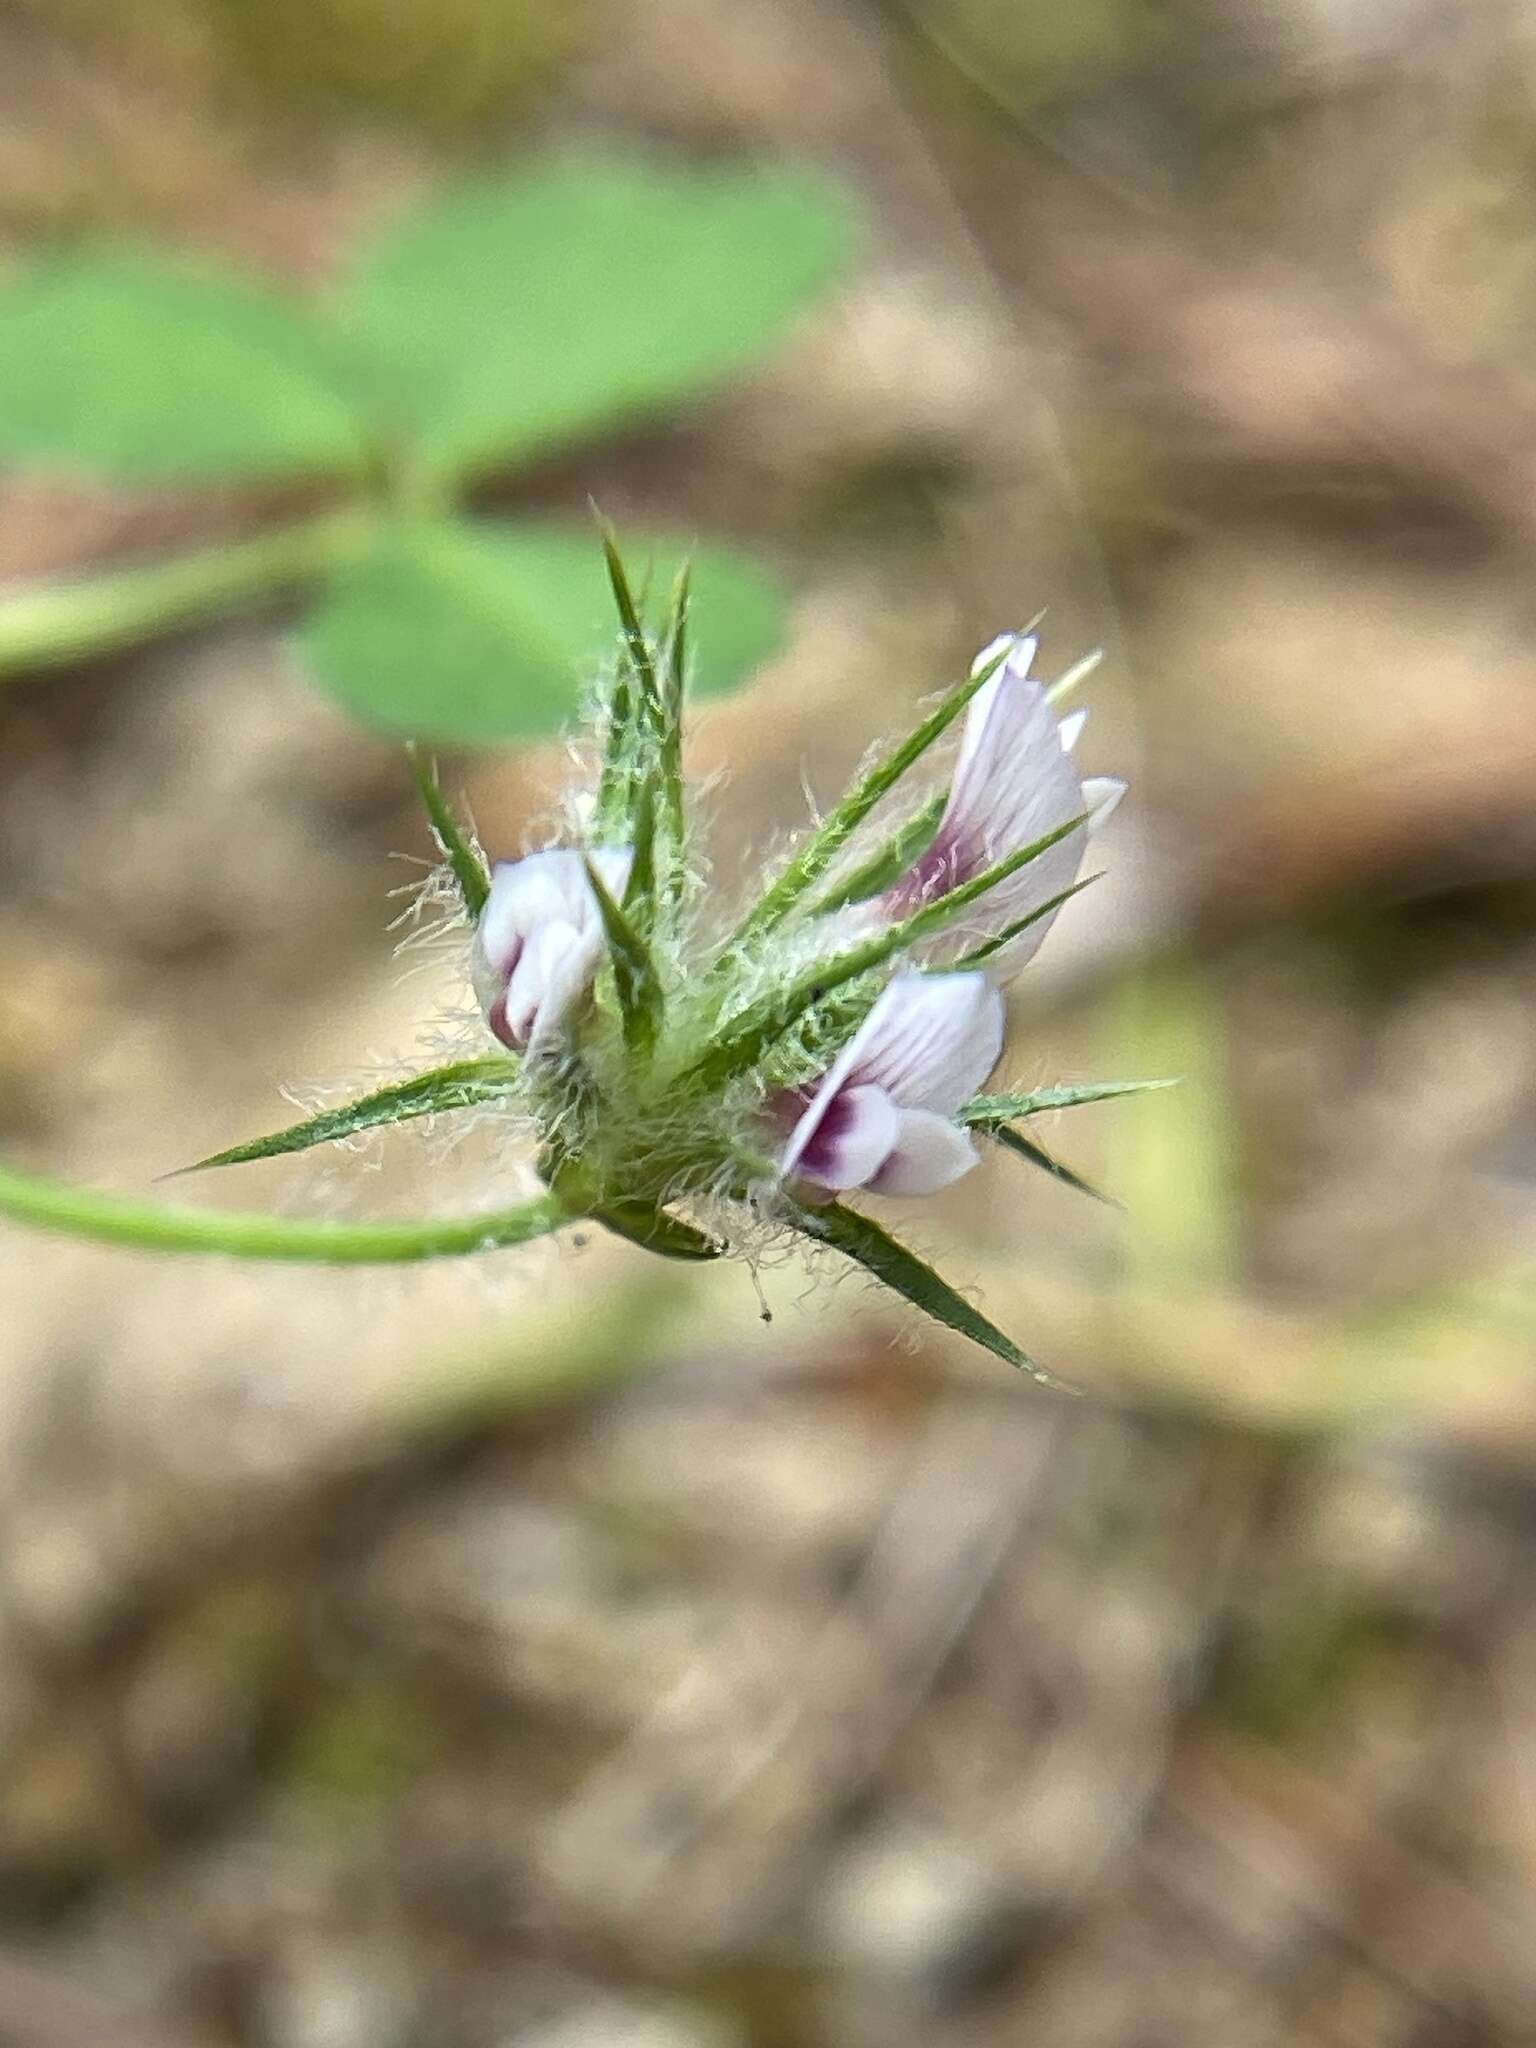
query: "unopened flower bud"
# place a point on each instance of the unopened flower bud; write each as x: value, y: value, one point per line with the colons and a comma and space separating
x: 540, y: 940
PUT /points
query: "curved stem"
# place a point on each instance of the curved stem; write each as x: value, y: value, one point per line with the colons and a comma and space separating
x: 71, y: 618
x: 149, y: 1226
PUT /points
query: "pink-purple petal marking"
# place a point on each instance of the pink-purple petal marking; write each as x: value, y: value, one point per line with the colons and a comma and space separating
x: 879, y: 1116
x: 852, y: 1135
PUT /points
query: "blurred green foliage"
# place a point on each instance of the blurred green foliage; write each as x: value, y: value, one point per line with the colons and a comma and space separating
x: 137, y: 366
x: 512, y: 315
x: 447, y: 599
x: 518, y: 314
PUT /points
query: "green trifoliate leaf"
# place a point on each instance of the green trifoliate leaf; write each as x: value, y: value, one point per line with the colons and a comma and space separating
x: 531, y: 308
x: 656, y: 1231
x: 469, y: 871
x: 149, y: 368
x: 634, y: 972
x: 1026, y: 1148
x: 464, y: 1085
x: 995, y: 1109
x: 857, y: 1238
x: 823, y: 847
x: 463, y: 632
x: 889, y: 864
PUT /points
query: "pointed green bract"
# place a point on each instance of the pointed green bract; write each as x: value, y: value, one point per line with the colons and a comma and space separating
x: 640, y: 887
x: 671, y: 790
x: 655, y: 1231
x: 641, y: 799
x: 641, y: 660
x: 677, y: 648
x: 890, y: 863
x: 980, y: 955
x: 742, y: 1042
x: 1015, y: 1141
x: 610, y: 816
x: 996, y: 1114
x: 469, y: 872
x: 863, y: 1241
x: 994, y: 1109
x: 636, y: 726
x: 824, y: 845
x: 634, y: 972
x: 464, y: 1085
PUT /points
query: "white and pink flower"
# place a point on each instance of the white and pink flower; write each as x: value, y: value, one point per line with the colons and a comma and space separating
x: 882, y: 1117
x: 539, y: 941
x: 1015, y: 781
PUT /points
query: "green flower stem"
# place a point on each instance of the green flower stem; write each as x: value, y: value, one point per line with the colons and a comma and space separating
x: 148, y: 1226
x: 74, y: 618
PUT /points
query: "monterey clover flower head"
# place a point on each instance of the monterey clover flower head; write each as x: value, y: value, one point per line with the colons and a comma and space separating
x: 688, y: 1079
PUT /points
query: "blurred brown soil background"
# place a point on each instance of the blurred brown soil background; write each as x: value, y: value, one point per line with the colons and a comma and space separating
x: 561, y: 1655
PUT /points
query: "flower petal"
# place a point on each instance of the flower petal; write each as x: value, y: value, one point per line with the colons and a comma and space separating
x: 489, y: 980
x: 1101, y: 795
x: 1070, y: 729
x: 930, y: 1041
x: 930, y: 1153
x: 544, y: 888
x: 557, y: 960
x: 1020, y: 648
x: 613, y: 864
x: 844, y: 1137
x: 526, y: 893
x: 570, y: 976
x: 927, y: 1044
x: 1014, y: 780
x: 540, y: 937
